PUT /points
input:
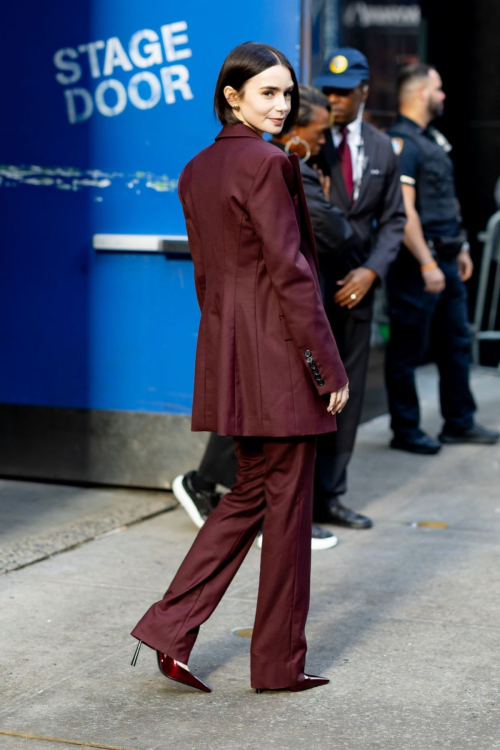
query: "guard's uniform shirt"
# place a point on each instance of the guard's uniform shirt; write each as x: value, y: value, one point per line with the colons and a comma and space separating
x: 420, y: 320
x: 425, y: 164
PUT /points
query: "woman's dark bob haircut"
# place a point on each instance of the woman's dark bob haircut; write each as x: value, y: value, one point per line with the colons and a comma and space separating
x: 244, y: 62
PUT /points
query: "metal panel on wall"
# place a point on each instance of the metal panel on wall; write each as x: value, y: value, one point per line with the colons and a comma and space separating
x: 389, y: 34
x: 106, y: 103
x: 111, y: 101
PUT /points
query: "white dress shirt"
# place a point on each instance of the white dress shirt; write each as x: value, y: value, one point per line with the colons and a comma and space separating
x: 355, y: 143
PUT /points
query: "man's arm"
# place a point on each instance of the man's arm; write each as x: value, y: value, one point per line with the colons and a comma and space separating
x: 414, y: 240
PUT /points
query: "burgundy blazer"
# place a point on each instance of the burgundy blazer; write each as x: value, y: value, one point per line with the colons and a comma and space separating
x: 266, y: 354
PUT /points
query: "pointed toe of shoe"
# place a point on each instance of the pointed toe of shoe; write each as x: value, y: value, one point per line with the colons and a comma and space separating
x: 174, y: 671
x: 310, y: 681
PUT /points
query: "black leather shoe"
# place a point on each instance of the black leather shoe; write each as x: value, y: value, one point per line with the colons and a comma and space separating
x: 423, y: 444
x: 342, y: 516
x: 475, y: 434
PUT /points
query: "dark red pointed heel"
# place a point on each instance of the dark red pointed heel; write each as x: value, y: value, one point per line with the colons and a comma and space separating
x: 174, y: 671
x: 310, y: 681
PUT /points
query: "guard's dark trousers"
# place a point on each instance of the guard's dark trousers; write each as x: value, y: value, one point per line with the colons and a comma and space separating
x: 274, y: 484
x: 421, y: 321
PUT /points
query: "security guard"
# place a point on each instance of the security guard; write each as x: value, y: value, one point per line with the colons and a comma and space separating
x: 426, y: 291
x: 365, y: 185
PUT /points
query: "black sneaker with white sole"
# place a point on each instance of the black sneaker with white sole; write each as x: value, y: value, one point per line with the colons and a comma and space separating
x: 198, y: 505
x: 320, y: 538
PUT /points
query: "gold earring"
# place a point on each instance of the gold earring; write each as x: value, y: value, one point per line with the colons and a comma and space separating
x: 236, y: 107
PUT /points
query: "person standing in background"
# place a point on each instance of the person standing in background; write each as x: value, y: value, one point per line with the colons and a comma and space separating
x: 426, y: 285
x: 364, y: 184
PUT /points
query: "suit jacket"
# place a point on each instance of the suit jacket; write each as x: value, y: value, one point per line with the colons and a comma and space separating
x: 331, y: 228
x: 266, y: 353
x: 380, y: 200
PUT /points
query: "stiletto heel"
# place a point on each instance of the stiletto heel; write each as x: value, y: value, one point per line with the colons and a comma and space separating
x: 174, y: 671
x: 136, y: 654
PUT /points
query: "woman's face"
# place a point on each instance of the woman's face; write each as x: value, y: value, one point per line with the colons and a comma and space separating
x: 314, y: 133
x: 265, y: 100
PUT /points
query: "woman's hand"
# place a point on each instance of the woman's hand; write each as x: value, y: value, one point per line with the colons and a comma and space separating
x: 338, y: 400
x: 324, y: 181
x: 355, y: 286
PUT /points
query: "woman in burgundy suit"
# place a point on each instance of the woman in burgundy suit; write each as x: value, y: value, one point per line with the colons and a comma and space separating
x: 267, y: 372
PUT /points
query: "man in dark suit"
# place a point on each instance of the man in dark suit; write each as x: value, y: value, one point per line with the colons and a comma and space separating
x: 365, y: 185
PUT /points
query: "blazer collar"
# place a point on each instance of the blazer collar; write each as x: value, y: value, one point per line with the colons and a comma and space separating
x: 237, y: 131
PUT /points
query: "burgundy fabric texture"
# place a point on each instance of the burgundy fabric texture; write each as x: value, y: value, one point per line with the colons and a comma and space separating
x: 256, y: 276
x: 274, y: 485
x: 345, y: 157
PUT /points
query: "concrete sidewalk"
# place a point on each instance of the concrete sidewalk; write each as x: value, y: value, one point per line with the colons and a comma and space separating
x: 404, y: 620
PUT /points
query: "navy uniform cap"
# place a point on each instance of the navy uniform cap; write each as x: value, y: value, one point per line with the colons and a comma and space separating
x: 345, y: 68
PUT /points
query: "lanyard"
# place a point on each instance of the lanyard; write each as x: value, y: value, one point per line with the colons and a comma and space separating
x: 361, y: 162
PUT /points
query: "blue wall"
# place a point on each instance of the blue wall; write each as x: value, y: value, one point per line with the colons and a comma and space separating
x: 102, y: 330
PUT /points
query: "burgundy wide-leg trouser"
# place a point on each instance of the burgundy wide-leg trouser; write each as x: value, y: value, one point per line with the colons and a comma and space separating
x: 274, y: 484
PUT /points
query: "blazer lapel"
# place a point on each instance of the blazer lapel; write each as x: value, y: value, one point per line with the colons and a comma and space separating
x: 304, y: 210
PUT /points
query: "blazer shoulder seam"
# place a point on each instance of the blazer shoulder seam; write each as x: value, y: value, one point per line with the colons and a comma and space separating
x: 268, y: 157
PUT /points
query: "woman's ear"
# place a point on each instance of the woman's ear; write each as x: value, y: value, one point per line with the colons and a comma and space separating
x: 232, y: 97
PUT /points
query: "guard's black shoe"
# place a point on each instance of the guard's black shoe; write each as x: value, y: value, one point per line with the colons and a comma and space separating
x: 422, y: 443
x: 342, y: 516
x: 475, y: 434
x: 198, y: 505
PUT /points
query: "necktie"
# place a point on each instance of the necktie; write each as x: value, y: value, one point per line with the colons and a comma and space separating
x: 344, y: 153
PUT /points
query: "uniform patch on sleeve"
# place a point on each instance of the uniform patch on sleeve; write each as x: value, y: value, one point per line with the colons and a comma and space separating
x: 397, y: 145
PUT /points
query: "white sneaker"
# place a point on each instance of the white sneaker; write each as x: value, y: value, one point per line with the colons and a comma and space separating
x: 320, y: 538
x: 198, y: 505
